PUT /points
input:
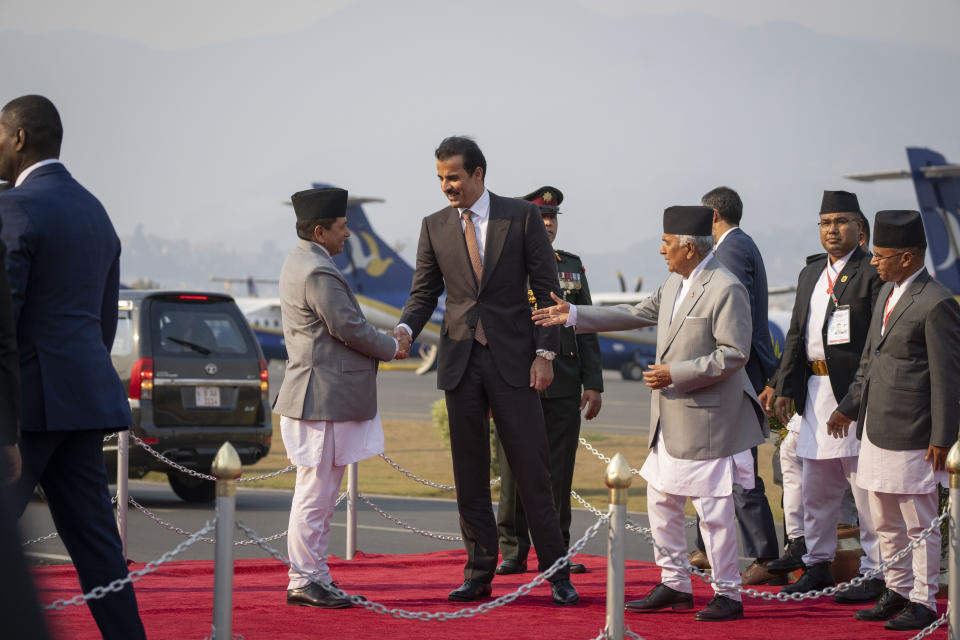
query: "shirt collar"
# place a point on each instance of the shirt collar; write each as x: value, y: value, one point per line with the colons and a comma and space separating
x: 697, y: 269
x: 906, y: 283
x: 838, y: 266
x: 322, y: 248
x: 480, y: 208
x: 725, y: 234
x: 36, y: 165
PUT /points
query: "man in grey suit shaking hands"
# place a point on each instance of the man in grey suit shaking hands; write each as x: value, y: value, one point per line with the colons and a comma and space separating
x: 904, y: 400
x: 704, y: 413
x: 328, y: 399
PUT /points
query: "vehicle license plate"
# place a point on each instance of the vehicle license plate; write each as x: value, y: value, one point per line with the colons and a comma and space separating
x: 208, y: 396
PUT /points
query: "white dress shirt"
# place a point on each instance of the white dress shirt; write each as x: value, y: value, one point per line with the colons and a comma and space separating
x: 721, y: 239
x: 36, y: 165
x: 814, y: 442
x: 889, y: 471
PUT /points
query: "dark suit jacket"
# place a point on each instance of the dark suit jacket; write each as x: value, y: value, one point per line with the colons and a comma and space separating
x: 858, y: 285
x: 63, y: 262
x: 740, y: 255
x: 516, y: 248
x: 908, y: 376
x: 9, y: 361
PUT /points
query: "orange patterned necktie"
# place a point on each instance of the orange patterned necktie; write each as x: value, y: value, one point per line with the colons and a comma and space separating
x: 470, y: 234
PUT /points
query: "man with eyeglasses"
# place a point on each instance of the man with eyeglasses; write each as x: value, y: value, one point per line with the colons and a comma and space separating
x: 836, y: 292
x: 904, y: 400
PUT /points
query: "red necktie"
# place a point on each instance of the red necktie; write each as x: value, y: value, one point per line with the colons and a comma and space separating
x: 470, y: 234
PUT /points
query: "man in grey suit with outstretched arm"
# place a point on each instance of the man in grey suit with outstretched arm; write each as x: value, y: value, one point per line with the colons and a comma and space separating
x: 328, y: 399
x: 704, y: 413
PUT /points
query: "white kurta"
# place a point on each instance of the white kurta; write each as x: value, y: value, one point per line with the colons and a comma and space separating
x: 814, y: 441
x: 702, y: 478
x: 354, y: 440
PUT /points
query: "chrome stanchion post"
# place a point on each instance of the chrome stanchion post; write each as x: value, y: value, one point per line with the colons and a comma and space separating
x: 123, y: 493
x: 618, y: 479
x: 953, y: 619
x: 352, y: 499
x: 226, y: 468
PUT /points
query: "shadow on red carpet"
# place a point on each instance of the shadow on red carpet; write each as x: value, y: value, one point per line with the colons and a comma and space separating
x: 176, y: 604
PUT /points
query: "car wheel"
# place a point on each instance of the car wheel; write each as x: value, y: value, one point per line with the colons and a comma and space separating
x: 192, y: 489
x: 631, y: 371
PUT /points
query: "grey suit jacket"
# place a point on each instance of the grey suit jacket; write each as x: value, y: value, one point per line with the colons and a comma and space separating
x: 908, y: 376
x: 710, y: 410
x: 333, y: 352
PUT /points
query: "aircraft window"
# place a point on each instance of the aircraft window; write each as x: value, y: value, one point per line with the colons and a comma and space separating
x: 276, y: 323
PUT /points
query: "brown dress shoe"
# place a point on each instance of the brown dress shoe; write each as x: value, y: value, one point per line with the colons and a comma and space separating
x: 699, y: 560
x: 721, y: 609
x: 757, y: 573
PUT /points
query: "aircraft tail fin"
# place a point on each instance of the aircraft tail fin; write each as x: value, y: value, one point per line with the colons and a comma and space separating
x: 371, y: 266
x: 938, y: 192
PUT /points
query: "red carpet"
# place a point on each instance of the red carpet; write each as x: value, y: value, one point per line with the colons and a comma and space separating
x: 176, y: 603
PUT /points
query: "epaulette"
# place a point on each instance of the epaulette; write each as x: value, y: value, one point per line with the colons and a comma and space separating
x: 567, y: 254
x: 815, y: 257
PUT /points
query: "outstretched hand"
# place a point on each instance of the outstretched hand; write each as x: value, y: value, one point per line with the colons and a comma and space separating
x: 403, y: 343
x: 554, y: 315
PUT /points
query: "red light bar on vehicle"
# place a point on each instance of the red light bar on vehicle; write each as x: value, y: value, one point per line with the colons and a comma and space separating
x: 193, y: 297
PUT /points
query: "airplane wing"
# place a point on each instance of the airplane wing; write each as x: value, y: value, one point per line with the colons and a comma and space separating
x: 932, y: 172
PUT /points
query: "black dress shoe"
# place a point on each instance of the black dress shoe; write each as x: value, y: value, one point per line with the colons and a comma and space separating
x: 470, y: 590
x: 913, y: 616
x: 792, y: 558
x: 576, y: 567
x: 720, y: 609
x: 889, y: 605
x: 564, y: 593
x: 661, y: 597
x: 313, y: 595
x: 509, y: 566
x: 869, y: 591
x: 817, y: 576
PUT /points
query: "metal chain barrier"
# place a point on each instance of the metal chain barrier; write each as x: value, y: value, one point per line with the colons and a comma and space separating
x: 109, y: 436
x: 273, y: 474
x: 630, y: 526
x: 435, y: 485
x: 183, y: 532
x: 589, y: 447
x: 401, y: 523
x: 196, y: 474
x: 118, y: 584
x: 49, y: 536
x: 809, y: 595
x: 467, y: 612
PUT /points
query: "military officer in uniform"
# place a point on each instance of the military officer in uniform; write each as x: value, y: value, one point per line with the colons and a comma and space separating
x: 577, y: 384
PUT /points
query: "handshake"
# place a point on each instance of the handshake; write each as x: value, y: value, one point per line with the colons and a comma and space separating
x: 403, y: 343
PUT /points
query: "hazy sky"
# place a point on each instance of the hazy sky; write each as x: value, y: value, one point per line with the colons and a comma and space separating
x: 196, y: 120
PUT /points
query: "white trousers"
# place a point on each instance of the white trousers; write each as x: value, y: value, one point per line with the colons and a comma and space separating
x: 791, y: 467
x: 665, y: 511
x: 308, y: 533
x: 824, y: 484
x: 900, y: 518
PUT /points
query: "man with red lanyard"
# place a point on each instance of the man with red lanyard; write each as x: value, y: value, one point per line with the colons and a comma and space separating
x: 904, y: 399
x: 836, y: 293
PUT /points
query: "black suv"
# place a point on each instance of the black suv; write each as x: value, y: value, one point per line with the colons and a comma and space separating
x: 196, y: 377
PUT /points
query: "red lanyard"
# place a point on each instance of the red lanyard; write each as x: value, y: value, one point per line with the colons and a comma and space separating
x: 830, y: 287
x: 887, y: 312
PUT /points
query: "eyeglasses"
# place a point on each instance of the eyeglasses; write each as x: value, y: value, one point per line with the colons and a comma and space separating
x: 836, y: 222
x: 881, y: 258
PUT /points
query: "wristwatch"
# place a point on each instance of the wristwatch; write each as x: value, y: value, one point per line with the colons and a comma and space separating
x: 546, y: 355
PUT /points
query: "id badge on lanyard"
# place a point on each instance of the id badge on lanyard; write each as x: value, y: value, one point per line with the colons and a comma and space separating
x: 838, y: 327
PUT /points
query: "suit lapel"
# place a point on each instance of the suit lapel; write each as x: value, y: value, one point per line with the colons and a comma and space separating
x: 689, y: 300
x: 907, y: 299
x: 497, y: 227
x: 847, y: 274
x: 805, y: 290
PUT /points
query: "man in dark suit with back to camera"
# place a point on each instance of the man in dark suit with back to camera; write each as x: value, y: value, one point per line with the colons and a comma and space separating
x: 483, y: 249
x: 63, y: 264
x: 740, y: 255
x: 836, y: 292
x: 577, y: 385
x: 904, y: 400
